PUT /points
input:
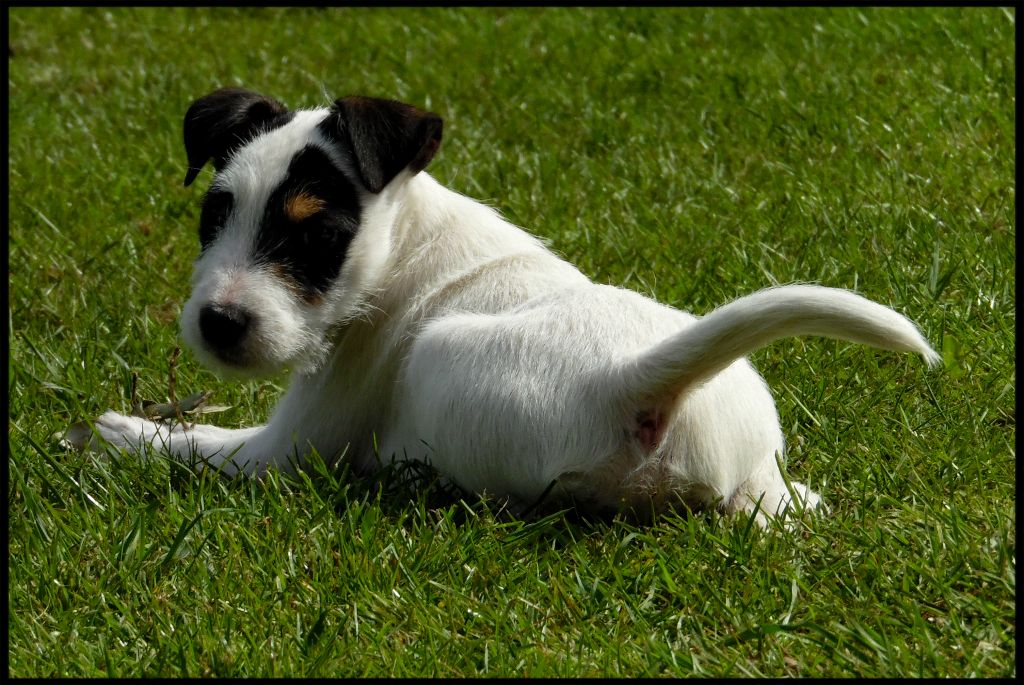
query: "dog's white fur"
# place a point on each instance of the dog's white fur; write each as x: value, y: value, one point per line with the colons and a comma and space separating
x: 454, y: 337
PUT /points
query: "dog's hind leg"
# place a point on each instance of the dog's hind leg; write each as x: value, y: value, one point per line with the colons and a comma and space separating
x: 247, y: 450
x: 766, y: 495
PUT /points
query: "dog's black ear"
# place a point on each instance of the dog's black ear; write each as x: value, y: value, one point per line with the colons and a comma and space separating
x: 383, y: 136
x: 217, y: 123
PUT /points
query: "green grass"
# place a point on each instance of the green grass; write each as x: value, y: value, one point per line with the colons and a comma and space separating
x: 692, y: 154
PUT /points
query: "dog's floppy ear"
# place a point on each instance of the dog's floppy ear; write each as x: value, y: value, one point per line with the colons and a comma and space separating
x: 217, y: 123
x: 383, y: 136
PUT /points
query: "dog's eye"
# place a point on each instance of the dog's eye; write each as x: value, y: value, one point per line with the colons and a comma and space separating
x: 313, y: 235
x: 217, y: 206
x: 310, y: 251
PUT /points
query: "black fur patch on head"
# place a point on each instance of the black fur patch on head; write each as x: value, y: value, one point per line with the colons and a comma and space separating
x: 383, y: 137
x: 217, y: 206
x: 219, y: 123
x: 309, y: 222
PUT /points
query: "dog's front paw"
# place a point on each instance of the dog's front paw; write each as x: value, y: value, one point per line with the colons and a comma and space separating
x: 118, y: 430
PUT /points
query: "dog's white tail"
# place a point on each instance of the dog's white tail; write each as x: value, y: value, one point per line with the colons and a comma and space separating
x: 713, y: 342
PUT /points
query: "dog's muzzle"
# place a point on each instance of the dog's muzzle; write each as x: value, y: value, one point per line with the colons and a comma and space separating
x: 223, y: 326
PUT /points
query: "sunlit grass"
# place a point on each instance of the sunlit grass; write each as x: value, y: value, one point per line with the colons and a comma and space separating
x: 691, y: 154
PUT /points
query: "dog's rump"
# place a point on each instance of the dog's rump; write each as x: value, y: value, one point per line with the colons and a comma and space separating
x: 567, y: 381
x: 532, y: 381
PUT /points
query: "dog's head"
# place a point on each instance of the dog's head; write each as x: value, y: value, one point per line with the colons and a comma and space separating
x: 295, y: 228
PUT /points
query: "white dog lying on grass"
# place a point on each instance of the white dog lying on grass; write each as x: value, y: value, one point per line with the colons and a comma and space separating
x: 420, y: 325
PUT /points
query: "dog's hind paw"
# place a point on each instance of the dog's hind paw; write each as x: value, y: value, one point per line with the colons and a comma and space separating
x: 809, y: 499
x: 76, y: 437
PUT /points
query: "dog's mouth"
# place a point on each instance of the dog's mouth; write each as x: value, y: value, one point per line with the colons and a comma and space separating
x: 233, y: 361
x: 234, y: 358
x: 254, y: 357
x: 226, y: 339
x: 252, y: 338
x: 238, y: 363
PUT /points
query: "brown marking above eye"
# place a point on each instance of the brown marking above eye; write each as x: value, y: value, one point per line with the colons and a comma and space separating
x: 302, y: 206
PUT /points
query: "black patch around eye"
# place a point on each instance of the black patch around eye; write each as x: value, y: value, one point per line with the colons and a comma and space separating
x: 310, y: 251
x: 217, y: 205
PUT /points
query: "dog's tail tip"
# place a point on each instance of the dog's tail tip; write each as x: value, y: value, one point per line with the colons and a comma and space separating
x: 906, y: 337
x: 932, y: 359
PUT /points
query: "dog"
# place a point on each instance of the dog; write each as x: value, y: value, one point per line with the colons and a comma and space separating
x: 418, y: 324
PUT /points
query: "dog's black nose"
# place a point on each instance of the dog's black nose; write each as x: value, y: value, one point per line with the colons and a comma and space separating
x: 223, y: 326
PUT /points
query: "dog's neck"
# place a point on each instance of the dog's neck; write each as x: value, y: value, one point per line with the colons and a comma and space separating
x: 445, y: 252
x: 439, y: 236
x: 433, y: 216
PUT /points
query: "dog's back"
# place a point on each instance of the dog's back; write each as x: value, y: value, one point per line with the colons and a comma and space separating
x: 618, y: 398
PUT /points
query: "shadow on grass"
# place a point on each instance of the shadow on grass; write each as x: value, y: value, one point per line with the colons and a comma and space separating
x: 410, y: 492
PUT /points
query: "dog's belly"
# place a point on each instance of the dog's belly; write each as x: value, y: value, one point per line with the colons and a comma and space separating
x: 508, y: 403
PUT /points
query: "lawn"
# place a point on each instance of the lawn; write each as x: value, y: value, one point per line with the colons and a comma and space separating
x: 692, y: 154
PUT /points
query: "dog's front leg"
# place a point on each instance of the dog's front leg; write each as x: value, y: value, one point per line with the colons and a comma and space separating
x: 246, y: 450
